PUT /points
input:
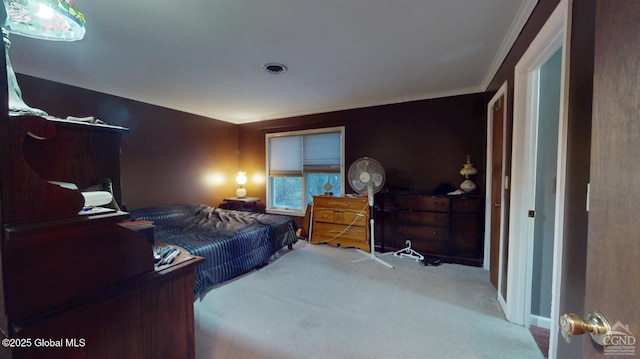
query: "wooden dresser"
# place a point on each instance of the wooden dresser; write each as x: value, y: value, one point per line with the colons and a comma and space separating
x: 448, y: 227
x: 78, y: 285
x: 341, y: 221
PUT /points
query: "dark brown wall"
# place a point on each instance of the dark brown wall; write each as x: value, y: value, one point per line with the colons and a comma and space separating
x: 420, y: 144
x: 167, y: 154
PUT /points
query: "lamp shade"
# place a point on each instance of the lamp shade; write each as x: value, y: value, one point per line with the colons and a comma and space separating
x: 58, y: 20
x: 468, y: 169
x: 241, y: 178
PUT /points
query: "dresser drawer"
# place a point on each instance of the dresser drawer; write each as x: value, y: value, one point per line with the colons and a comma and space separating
x: 426, y: 218
x: 324, y: 215
x: 431, y: 246
x: 340, y: 217
x: 325, y: 231
x: 352, y: 203
x: 353, y: 218
x: 468, y: 205
x: 423, y: 203
x: 407, y: 231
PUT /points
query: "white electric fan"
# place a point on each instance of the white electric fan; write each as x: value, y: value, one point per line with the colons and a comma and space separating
x: 366, y: 175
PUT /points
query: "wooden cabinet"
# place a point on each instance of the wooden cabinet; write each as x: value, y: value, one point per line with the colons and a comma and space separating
x: 467, y: 230
x: 149, y: 316
x: 76, y: 284
x: 447, y: 227
x: 341, y: 221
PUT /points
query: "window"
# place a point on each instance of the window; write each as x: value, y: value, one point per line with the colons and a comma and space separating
x: 301, y: 164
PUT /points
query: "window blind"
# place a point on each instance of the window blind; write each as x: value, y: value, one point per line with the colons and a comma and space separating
x: 322, y: 152
x: 285, y: 156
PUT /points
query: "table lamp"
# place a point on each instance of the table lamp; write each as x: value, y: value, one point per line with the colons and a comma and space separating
x: 57, y: 20
x: 466, y: 171
x: 241, y: 180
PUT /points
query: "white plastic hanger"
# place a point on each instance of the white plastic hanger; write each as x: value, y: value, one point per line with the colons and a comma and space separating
x: 408, y: 253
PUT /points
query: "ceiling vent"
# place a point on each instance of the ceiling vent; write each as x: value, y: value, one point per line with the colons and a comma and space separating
x: 274, y: 69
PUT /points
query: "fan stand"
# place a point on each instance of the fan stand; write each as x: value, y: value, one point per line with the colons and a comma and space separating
x: 371, y: 255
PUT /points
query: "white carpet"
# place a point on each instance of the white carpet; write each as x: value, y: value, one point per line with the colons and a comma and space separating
x: 313, y: 302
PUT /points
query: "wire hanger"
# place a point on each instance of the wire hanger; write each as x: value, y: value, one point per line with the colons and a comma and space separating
x: 408, y: 253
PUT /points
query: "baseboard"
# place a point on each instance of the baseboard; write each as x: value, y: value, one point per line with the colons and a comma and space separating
x: 541, y: 322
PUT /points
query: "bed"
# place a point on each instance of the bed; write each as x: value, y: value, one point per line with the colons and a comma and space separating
x: 231, y: 242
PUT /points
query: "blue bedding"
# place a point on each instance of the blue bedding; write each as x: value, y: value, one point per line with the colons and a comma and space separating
x: 231, y: 242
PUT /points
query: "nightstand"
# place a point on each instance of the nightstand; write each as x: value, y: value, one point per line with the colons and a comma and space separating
x: 245, y: 204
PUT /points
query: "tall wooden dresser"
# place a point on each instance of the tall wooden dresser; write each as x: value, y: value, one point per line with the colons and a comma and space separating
x: 80, y: 285
x: 341, y: 221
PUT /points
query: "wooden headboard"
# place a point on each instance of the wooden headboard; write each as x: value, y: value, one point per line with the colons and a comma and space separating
x: 38, y: 150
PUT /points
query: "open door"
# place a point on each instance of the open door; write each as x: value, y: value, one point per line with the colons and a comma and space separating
x: 496, y: 249
x: 613, y: 249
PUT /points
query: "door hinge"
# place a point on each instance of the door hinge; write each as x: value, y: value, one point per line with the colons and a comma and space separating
x: 532, y: 213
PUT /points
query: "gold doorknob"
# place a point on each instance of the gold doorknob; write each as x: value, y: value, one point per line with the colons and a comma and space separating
x: 595, y: 324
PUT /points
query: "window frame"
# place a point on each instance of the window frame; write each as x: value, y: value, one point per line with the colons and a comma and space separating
x: 300, y: 212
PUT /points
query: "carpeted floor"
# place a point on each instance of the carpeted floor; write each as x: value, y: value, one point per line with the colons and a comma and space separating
x: 313, y: 302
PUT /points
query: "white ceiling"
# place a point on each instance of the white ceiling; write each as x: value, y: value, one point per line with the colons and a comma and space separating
x: 205, y: 56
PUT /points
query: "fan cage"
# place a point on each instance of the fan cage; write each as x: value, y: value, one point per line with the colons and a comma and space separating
x: 364, y: 171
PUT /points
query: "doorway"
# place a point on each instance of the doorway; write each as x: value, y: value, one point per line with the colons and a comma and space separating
x: 538, y: 177
x: 548, y: 111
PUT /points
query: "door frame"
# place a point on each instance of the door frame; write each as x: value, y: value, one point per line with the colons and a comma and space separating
x: 501, y: 93
x: 553, y: 35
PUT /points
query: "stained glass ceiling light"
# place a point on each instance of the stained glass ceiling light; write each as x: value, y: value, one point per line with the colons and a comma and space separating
x: 57, y: 20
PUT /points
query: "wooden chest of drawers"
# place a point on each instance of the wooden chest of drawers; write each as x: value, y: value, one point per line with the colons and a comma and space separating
x: 423, y: 220
x: 444, y: 226
x: 341, y: 221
